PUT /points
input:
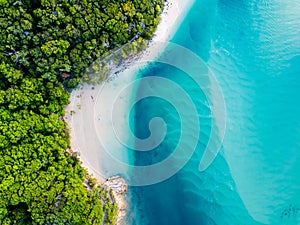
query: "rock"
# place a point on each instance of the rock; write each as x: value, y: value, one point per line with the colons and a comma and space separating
x: 119, y: 187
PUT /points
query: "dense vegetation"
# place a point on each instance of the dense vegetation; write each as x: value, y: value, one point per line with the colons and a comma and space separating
x: 45, y: 46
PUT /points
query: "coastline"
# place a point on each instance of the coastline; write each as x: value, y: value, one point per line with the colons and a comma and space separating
x: 80, y: 113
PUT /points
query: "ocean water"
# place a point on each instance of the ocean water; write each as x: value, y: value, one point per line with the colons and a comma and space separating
x: 253, y: 49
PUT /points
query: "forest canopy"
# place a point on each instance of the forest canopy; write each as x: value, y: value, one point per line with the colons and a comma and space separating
x: 48, y: 38
x: 45, y: 46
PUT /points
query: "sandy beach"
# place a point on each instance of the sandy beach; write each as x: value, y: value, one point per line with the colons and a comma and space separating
x: 89, y: 115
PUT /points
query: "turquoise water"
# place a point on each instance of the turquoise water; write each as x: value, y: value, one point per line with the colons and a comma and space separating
x: 253, y: 49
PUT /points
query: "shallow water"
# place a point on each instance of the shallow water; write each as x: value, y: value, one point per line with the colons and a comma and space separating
x: 253, y: 49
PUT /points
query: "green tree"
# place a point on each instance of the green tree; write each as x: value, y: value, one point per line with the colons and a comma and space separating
x: 45, y: 48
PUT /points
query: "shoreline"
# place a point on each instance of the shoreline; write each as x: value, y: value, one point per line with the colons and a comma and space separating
x: 80, y: 113
x: 117, y: 187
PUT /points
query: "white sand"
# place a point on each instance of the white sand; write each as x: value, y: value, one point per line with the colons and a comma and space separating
x: 91, y: 126
x: 171, y: 17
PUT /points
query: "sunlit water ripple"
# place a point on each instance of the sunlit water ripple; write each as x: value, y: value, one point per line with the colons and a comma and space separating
x: 253, y: 48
